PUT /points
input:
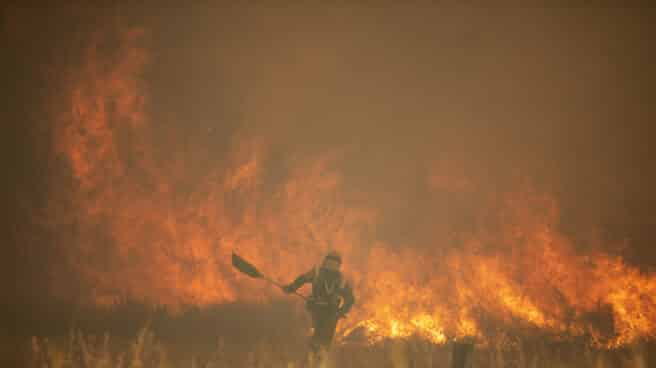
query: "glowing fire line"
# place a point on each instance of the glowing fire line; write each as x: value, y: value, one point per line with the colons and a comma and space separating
x: 144, y: 231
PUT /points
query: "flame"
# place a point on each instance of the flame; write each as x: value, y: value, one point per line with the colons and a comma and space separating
x: 141, y: 222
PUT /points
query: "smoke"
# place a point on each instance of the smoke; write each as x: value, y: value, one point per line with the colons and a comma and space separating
x: 470, y: 167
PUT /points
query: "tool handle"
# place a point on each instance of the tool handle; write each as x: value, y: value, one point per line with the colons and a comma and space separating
x: 283, y: 287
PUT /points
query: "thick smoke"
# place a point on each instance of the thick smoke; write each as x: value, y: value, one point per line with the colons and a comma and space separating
x: 471, y: 167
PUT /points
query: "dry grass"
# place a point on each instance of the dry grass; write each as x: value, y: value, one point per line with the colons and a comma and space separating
x: 236, y: 336
x: 144, y: 350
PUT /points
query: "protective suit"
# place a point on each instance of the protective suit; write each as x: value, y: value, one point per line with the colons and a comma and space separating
x: 331, y: 299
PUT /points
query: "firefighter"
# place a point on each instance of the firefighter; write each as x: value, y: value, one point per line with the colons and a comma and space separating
x: 331, y: 299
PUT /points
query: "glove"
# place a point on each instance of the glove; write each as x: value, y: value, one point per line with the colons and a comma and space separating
x: 288, y: 289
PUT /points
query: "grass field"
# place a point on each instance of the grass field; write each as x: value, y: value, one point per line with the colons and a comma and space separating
x: 145, y: 350
x: 273, y: 335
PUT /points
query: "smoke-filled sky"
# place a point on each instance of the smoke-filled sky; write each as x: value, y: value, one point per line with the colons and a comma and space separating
x: 143, y: 144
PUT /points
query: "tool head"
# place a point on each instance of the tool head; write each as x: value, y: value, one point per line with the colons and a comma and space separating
x: 243, y: 266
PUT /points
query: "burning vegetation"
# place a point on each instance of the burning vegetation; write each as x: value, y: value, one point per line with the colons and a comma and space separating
x: 150, y: 226
x: 141, y: 211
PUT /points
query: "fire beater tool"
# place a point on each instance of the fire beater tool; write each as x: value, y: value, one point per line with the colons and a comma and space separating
x: 247, y: 268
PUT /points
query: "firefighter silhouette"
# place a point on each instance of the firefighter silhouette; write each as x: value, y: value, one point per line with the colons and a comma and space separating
x: 331, y: 298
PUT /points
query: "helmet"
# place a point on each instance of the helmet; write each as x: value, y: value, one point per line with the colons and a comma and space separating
x: 332, y: 261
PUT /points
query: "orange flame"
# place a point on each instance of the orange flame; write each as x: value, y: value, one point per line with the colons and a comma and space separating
x: 148, y: 227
